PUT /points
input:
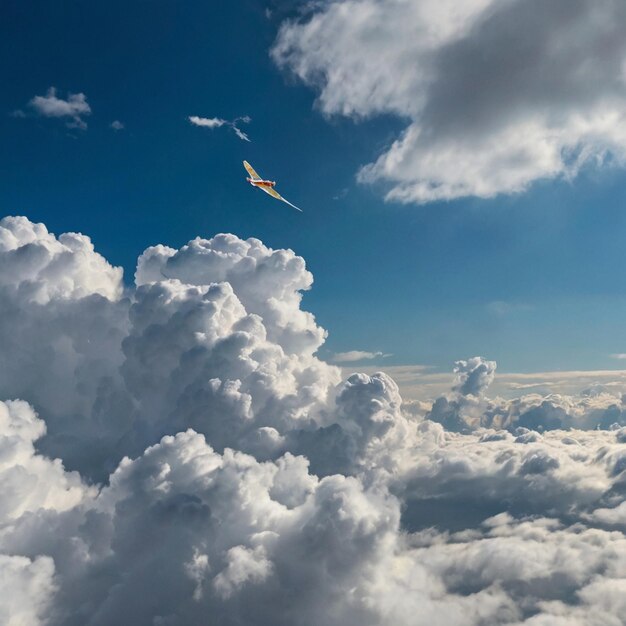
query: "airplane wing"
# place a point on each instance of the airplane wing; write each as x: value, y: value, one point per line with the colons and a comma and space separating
x: 272, y: 192
x: 251, y: 171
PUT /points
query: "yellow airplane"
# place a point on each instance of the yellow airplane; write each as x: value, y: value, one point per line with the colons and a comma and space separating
x: 266, y: 185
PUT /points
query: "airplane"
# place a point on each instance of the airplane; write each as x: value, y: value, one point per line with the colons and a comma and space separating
x: 266, y: 185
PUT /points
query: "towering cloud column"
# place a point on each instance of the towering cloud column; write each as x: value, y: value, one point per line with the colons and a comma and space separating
x: 180, y: 454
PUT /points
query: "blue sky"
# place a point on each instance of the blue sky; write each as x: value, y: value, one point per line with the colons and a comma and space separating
x: 533, y: 280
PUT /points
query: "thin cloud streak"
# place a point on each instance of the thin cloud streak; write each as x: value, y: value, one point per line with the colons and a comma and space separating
x: 217, y: 122
x: 357, y: 355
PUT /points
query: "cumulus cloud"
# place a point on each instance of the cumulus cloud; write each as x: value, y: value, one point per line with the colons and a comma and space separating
x: 496, y: 95
x: 180, y: 453
x: 217, y: 122
x: 474, y: 375
x: 75, y: 107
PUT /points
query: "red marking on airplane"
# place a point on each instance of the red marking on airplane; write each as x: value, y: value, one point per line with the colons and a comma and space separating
x: 261, y: 183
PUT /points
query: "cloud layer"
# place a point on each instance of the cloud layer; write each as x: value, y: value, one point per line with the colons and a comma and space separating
x: 497, y: 95
x: 178, y: 453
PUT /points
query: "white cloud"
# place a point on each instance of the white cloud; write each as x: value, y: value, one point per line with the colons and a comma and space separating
x: 75, y: 107
x: 618, y: 355
x: 206, y: 122
x: 26, y: 590
x: 357, y: 355
x: 474, y: 375
x: 238, y: 478
x: 116, y: 125
x: 496, y: 95
x: 216, y: 122
x: 45, y: 268
x: 39, y: 483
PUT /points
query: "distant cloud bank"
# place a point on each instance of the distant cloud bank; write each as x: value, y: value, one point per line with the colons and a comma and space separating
x: 497, y: 95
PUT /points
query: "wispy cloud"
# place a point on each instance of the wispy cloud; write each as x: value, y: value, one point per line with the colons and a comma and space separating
x: 357, y: 355
x: 241, y: 134
x: 537, y: 385
x: 73, y: 108
x: 217, y: 122
x: 116, y: 125
x: 619, y: 355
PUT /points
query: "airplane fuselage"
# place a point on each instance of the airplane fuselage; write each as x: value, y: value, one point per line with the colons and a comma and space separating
x: 261, y: 183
